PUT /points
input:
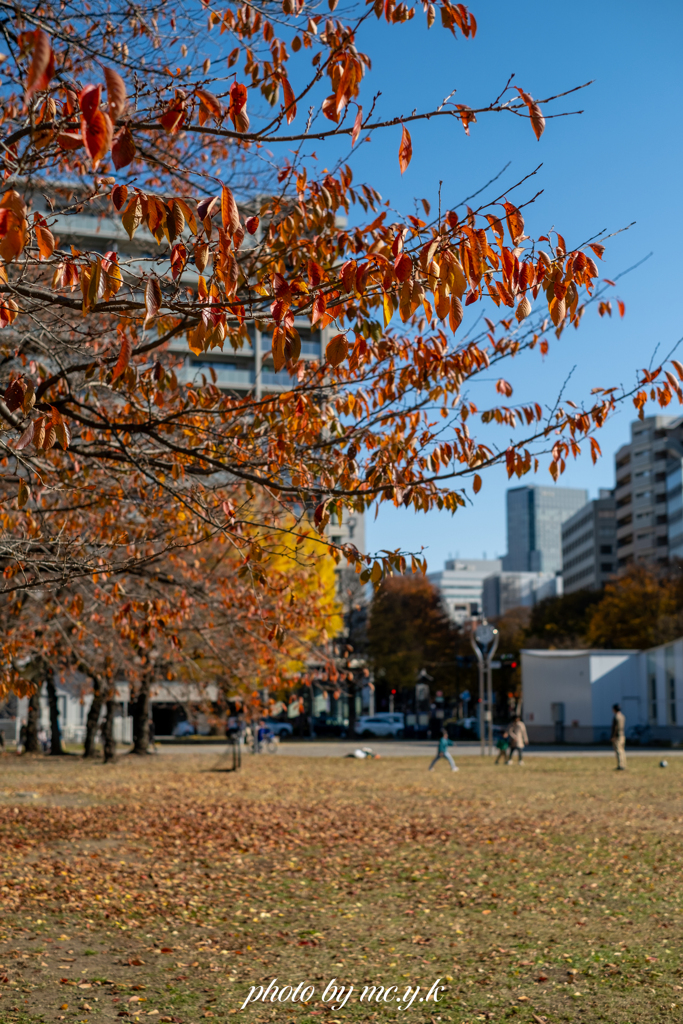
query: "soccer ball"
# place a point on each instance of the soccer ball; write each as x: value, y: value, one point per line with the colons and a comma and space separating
x: 663, y: 764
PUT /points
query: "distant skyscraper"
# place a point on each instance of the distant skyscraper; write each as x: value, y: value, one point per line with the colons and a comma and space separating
x: 535, y: 516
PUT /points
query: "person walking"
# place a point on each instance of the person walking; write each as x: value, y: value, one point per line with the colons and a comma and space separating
x: 443, y: 751
x: 619, y: 737
x: 519, y: 739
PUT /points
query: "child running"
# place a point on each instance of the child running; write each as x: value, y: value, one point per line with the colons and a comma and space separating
x: 443, y: 751
x: 503, y: 744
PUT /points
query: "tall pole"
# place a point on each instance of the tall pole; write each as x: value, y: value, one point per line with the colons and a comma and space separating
x: 489, y: 688
x: 485, y: 641
x: 482, y: 696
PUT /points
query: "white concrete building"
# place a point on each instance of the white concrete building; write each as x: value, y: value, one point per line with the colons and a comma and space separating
x: 461, y: 583
x: 170, y: 702
x: 568, y: 695
x: 506, y: 590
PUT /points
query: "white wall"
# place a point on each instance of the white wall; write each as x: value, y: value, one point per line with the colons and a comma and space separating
x: 588, y: 683
x: 616, y: 679
x: 549, y: 677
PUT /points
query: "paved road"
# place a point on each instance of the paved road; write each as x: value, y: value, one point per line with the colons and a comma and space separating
x: 407, y: 748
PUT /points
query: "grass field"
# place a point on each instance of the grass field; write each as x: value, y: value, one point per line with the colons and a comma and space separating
x: 160, y: 890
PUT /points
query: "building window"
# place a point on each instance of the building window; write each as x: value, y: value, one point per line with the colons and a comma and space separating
x: 652, y: 688
x: 670, y: 685
x: 605, y: 549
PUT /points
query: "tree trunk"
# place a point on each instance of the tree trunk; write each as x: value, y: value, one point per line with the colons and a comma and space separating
x: 32, y: 743
x: 93, y: 720
x: 140, y: 711
x: 108, y: 742
x: 352, y: 707
x: 56, y: 749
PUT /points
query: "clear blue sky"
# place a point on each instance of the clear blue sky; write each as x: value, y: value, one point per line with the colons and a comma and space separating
x: 620, y: 161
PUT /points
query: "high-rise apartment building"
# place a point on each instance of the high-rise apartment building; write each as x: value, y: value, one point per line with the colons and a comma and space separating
x: 641, y: 489
x: 589, y: 545
x: 674, y: 510
x: 248, y: 370
x: 534, y: 526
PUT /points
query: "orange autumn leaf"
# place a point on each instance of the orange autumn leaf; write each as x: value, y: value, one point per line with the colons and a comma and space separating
x: 405, y: 150
x: 42, y: 67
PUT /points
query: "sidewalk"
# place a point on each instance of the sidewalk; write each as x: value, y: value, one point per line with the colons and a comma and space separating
x: 413, y: 748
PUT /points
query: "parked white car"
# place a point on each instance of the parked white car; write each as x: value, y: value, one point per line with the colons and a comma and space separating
x: 384, y: 723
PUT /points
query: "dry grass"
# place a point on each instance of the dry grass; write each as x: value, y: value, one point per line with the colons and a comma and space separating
x: 552, y: 891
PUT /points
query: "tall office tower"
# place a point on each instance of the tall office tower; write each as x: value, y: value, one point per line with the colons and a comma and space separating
x: 535, y: 516
x: 641, y: 488
x: 589, y: 545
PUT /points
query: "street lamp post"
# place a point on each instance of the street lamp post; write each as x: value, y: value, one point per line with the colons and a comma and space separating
x: 485, y: 641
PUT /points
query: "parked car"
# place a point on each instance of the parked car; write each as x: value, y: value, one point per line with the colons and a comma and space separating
x: 384, y: 723
x: 279, y: 728
x: 468, y: 729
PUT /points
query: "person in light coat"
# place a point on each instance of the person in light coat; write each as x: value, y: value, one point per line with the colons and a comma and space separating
x: 517, y: 735
x: 619, y: 737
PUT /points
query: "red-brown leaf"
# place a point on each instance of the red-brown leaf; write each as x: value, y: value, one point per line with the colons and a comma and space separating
x: 535, y: 116
x: 97, y: 136
x: 42, y: 66
x: 209, y: 106
x: 173, y: 117
x: 26, y: 437
x: 229, y: 211
x: 89, y: 101
x: 123, y: 149
x: 315, y: 273
x: 116, y: 91
x: 124, y: 358
x: 278, y: 349
x: 515, y: 222
x: 337, y: 350
x: 45, y: 241
x: 238, y: 107
x: 319, y: 307
x: 290, y: 105
x: 405, y: 150
x: 118, y: 196
x: 152, y: 298
x: 357, y: 124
